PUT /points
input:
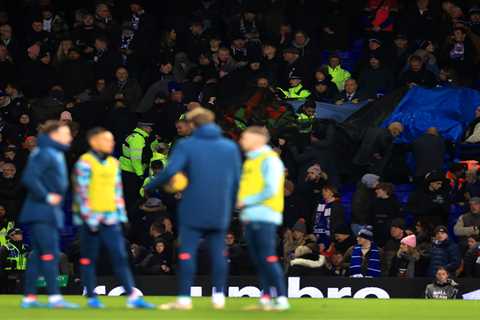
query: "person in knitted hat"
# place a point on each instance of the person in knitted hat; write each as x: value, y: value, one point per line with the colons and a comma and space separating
x: 362, y: 201
x: 364, y: 258
x: 404, y: 262
x: 294, y: 238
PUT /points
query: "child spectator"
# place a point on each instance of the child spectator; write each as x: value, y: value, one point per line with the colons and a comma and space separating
x: 403, y: 263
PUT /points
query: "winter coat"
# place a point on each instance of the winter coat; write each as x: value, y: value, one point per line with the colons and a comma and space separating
x: 207, y: 159
x: 383, y: 212
x: 45, y: 173
x: 362, y: 202
x: 75, y: 77
x: 403, y: 265
x: 431, y: 205
x: 444, y: 254
x: 471, y: 262
x: 429, y: 152
x: 131, y: 91
x: 376, y: 81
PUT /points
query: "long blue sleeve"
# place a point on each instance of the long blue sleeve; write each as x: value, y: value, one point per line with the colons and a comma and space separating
x: 36, y: 166
x: 176, y: 163
x: 272, y: 171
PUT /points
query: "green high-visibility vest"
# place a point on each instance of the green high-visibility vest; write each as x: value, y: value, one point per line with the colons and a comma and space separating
x: 3, y: 233
x: 132, y: 151
x: 296, y: 93
x: 305, y: 123
x: 19, y: 259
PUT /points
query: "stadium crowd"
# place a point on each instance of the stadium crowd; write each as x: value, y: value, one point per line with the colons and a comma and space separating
x: 136, y: 67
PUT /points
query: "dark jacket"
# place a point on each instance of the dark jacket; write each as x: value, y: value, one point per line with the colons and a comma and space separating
x: 431, y: 205
x: 131, y: 91
x: 212, y: 165
x: 375, y: 150
x: 383, y: 212
x: 444, y: 254
x: 362, y: 202
x: 75, y: 77
x: 422, y: 78
x: 45, y: 173
x: 472, y: 263
x: 376, y: 81
x: 429, y: 153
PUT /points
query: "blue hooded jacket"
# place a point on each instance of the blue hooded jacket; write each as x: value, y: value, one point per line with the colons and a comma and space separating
x: 46, y: 172
x: 213, y: 167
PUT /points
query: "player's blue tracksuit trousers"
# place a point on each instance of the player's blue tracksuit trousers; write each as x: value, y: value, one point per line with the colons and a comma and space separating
x: 44, y: 258
x: 261, y: 242
x: 112, y: 239
x: 187, y: 257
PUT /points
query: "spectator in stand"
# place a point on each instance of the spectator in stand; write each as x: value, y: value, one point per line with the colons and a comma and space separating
x: 456, y: 179
x: 444, y: 252
x: 235, y: 254
x: 329, y: 216
x: 293, y: 238
x: 37, y: 76
x: 385, y: 209
x: 417, y: 74
x: 293, y: 63
x: 459, y: 53
x: 472, y: 133
x: 124, y: 88
x: 105, y: 59
x: 404, y: 262
x: 471, y: 259
x: 324, y: 89
x: 429, y: 153
x: 75, y: 74
x: 472, y: 184
x: 351, y: 94
x: 362, y: 202
x: 306, y: 261
x: 306, y: 46
x: 224, y: 63
x: 343, y: 239
x: 376, y: 79
x: 401, y: 52
x: 339, y: 75
x: 430, y: 202
x: 157, y: 262
x: 468, y: 224
x: 443, y: 287
x: 376, y: 148
x: 392, y: 245
x: 363, y: 259
x: 10, y: 194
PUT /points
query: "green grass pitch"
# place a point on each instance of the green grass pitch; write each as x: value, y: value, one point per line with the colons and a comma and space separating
x: 302, y: 309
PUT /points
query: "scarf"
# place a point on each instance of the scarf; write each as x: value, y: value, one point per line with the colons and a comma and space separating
x: 322, y: 224
x: 373, y: 263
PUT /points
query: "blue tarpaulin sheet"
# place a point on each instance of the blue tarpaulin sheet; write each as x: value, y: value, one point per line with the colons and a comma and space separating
x: 332, y: 111
x: 450, y: 110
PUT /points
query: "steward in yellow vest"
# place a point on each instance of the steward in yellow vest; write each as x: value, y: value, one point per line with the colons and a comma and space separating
x: 296, y: 91
x: 13, y: 255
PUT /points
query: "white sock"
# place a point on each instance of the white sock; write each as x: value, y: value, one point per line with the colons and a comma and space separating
x: 218, y: 298
x: 54, y: 298
x: 183, y: 300
x: 282, y: 300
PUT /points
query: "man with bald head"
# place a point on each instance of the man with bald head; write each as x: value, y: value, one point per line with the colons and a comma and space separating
x: 429, y: 152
